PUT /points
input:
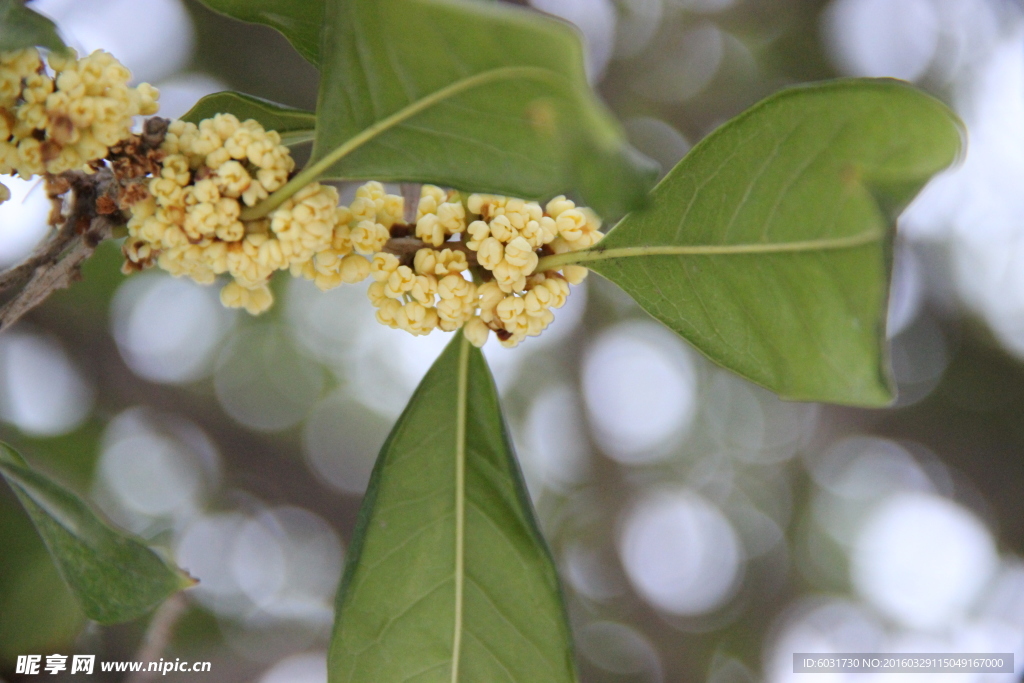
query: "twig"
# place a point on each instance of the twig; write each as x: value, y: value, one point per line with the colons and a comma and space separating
x: 55, y: 264
x: 158, y: 636
x: 411, y: 195
x: 58, y: 270
x: 94, y: 215
x: 19, y: 275
x: 405, y: 249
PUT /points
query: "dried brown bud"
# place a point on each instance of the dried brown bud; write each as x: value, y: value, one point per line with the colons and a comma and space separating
x: 62, y: 130
x: 105, y: 205
x: 132, y: 193
x: 50, y: 149
x: 56, y: 185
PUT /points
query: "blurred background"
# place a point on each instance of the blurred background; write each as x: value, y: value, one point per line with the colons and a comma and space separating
x: 704, y: 529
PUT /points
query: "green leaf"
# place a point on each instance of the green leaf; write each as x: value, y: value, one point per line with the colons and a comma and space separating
x: 294, y: 125
x: 769, y: 245
x: 299, y: 21
x: 20, y: 27
x: 479, y: 96
x: 116, y: 578
x: 448, y: 578
x: 37, y: 610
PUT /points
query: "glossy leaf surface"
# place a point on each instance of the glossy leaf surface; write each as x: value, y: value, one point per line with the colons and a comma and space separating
x: 294, y: 125
x: 448, y: 577
x: 473, y: 95
x: 769, y: 245
x: 115, y: 577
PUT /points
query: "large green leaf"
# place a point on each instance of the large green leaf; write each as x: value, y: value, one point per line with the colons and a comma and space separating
x: 20, y: 27
x: 769, y: 245
x: 299, y: 20
x: 448, y: 578
x: 468, y: 94
x: 116, y: 578
x: 294, y: 125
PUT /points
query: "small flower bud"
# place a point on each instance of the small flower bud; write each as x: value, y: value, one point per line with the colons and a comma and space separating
x: 574, y: 275
x: 571, y: 224
x: 430, y: 230
x: 558, y: 205
x: 354, y: 268
x: 383, y: 264
x: 519, y: 253
x: 260, y: 299
x: 476, y: 332
x: 490, y: 253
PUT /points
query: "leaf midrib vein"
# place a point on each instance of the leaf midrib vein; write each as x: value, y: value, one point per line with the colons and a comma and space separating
x: 460, y: 500
x: 315, y: 170
x: 828, y: 244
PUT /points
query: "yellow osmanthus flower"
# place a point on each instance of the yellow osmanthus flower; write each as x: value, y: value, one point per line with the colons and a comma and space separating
x: 62, y: 119
x: 505, y: 237
x: 466, y: 262
x: 190, y: 225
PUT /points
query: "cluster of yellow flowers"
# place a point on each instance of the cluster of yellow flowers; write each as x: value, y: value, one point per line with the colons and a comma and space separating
x: 189, y: 222
x: 466, y: 262
x: 56, y: 123
x: 505, y: 237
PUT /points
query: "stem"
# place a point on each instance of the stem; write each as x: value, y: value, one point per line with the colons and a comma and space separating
x: 556, y: 261
x: 315, y: 170
x: 55, y: 263
x: 405, y: 249
x: 94, y: 215
x: 410, y: 201
x: 158, y: 635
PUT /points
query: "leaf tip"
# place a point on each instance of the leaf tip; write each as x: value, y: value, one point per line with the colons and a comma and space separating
x: 186, y: 580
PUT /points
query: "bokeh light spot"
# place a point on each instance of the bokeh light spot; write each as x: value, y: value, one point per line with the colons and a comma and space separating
x: 168, y: 329
x: 23, y: 219
x: 895, y: 38
x: 681, y: 553
x: 556, y: 451
x: 640, y: 389
x: 42, y: 392
x: 153, y: 41
x: 922, y: 560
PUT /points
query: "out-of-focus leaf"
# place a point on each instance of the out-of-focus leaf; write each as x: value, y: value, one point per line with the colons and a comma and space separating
x: 299, y: 21
x: 294, y: 125
x: 448, y: 578
x: 20, y: 27
x: 474, y: 95
x: 115, y: 578
x: 769, y: 245
x: 37, y: 611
